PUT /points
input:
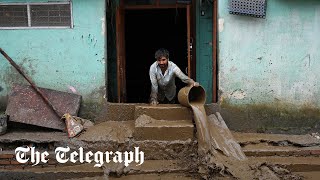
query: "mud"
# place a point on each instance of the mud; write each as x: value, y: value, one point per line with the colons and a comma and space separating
x: 219, y: 153
x: 171, y: 112
x: 217, y: 156
x: 117, y: 112
x: 305, y: 140
x: 109, y: 131
x: 147, y: 128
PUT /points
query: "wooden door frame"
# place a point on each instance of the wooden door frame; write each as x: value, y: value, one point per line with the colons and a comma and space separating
x: 120, y: 44
x: 120, y: 36
x: 215, y: 52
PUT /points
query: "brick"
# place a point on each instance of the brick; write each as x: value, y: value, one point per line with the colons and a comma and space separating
x: 6, y: 156
x: 52, y: 162
x: 303, y: 153
x: 14, y: 167
x: 315, y: 152
x: 14, y: 162
x: 4, y: 162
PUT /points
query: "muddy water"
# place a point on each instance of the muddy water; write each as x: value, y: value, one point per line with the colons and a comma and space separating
x: 202, y: 127
x: 216, y: 151
x: 221, y: 154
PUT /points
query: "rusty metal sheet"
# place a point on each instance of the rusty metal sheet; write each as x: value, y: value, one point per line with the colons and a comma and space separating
x: 26, y: 106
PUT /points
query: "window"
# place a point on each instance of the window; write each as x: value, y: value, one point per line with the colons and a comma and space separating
x: 36, y: 15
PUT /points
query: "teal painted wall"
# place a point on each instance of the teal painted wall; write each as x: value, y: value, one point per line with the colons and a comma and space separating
x: 204, y: 48
x: 272, y: 59
x: 60, y: 59
x: 271, y: 65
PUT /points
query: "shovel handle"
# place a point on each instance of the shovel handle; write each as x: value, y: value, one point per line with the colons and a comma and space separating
x: 44, y: 97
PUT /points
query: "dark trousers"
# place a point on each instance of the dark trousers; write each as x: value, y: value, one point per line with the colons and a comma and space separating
x: 166, y: 101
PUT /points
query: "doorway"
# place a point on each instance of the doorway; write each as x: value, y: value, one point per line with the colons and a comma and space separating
x: 145, y: 31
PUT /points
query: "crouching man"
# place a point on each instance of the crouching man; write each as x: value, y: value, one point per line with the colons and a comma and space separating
x: 162, y: 76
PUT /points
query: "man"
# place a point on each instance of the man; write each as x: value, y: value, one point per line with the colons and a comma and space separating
x: 162, y: 76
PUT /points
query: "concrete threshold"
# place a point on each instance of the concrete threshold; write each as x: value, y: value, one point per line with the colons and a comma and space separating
x: 148, y: 128
x: 264, y: 149
x: 167, y: 112
x: 281, y: 139
x: 294, y: 164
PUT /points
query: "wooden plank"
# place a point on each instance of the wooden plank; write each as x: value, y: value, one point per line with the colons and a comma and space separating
x: 123, y: 62
x: 165, y: 6
x: 215, y: 52
x: 188, y: 40
x: 121, y: 89
x: 193, y: 39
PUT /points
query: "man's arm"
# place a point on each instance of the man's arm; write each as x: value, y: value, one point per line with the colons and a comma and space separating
x: 184, y: 78
x: 154, y: 87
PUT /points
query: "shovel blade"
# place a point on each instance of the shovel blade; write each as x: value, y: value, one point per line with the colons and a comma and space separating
x: 74, y: 127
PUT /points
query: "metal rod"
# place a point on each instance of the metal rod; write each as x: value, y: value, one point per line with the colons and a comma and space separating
x: 45, y: 99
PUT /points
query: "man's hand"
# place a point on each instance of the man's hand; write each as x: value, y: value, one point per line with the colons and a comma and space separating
x: 193, y: 83
x: 196, y: 84
x: 154, y: 103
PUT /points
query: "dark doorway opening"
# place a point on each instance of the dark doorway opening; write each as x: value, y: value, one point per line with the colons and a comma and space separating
x: 145, y: 32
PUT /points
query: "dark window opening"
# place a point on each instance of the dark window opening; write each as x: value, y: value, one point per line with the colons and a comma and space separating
x: 38, y: 15
x: 145, y: 32
x: 13, y: 16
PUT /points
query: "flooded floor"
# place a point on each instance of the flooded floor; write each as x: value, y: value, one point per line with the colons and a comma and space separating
x: 212, y: 153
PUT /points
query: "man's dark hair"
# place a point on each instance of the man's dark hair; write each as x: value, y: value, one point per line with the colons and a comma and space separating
x: 161, y: 53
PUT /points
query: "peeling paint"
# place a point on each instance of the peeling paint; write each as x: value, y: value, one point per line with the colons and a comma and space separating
x: 73, y: 90
x: 221, y: 24
x: 103, y: 26
x: 238, y: 94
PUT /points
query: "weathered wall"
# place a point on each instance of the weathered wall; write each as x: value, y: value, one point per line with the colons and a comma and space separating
x: 60, y: 59
x: 204, y: 48
x: 268, y: 68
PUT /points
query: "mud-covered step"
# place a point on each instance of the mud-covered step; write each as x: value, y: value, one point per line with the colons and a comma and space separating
x: 294, y: 164
x: 89, y: 171
x: 311, y: 175
x: 117, y: 112
x: 265, y: 149
x: 153, y: 176
x: 147, y: 128
x: 164, y: 112
x: 306, y: 140
x: 104, y: 136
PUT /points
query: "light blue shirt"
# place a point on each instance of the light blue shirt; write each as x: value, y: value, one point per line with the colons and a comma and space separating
x: 163, y: 85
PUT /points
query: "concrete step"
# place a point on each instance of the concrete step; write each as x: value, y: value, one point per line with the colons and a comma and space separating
x: 164, y: 112
x: 264, y: 149
x: 311, y: 175
x: 159, y: 176
x: 104, y: 136
x: 306, y: 140
x: 294, y: 164
x: 88, y: 171
x: 147, y: 128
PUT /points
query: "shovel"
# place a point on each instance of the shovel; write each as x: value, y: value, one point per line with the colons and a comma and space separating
x: 73, y: 126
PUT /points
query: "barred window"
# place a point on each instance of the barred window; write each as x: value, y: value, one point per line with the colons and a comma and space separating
x: 36, y: 15
x: 13, y: 16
